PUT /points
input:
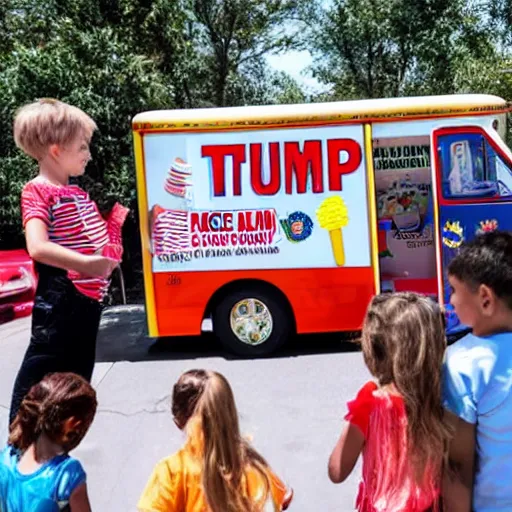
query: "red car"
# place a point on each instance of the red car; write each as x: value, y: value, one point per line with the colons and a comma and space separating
x: 17, y: 284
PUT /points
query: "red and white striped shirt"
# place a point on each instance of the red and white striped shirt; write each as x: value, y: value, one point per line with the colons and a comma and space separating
x: 74, y: 221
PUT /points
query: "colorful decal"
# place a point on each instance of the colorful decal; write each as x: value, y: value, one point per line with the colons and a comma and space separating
x: 415, y: 156
x: 169, y: 230
x: 453, y: 234
x: 384, y: 227
x: 180, y: 235
x: 403, y: 181
x: 297, y: 227
x: 497, y: 215
x: 405, y: 202
x: 217, y: 196
x: 486, y: 226
x: 332, y: 215
x: 178, y: 182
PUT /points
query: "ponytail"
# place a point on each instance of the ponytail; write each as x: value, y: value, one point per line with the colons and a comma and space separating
x: 48, y: 404
x: 25, y: 428
x: 227, y: 457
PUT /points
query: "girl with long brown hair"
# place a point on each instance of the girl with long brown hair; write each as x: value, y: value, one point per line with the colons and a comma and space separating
x: 216, y: 470
x: 36, y: 472
x: 398, y: 422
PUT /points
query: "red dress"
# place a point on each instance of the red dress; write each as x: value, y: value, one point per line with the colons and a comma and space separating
x: 388, y: 483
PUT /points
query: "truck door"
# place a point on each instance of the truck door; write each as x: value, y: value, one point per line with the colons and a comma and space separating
x: 472, y: 176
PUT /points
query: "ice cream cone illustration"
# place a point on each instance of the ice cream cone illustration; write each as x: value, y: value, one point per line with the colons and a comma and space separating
x: 332, y: 215
x: 179, y: 178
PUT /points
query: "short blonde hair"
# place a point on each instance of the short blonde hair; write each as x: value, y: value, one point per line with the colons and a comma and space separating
x: 47, y: 121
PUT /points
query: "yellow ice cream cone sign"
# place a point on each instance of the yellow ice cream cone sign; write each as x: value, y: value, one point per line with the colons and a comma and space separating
x: 332, y: 215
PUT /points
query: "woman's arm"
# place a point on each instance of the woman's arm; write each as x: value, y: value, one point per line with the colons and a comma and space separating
x: 345, y: 454
x: 79, y: 499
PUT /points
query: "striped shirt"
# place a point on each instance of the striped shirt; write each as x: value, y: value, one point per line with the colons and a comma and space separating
x: 74, y: 221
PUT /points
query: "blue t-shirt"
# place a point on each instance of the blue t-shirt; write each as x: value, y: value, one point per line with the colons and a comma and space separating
x: 478, y: 389
x: 48, y: 489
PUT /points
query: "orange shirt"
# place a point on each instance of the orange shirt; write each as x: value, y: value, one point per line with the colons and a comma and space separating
x: 176, y: 486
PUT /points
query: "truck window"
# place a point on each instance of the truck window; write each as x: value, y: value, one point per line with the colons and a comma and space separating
x: 471, y: 168
x: 499, y: 171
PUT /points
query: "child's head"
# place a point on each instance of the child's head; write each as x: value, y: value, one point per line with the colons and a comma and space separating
x: 186, y: 394
x: 481, y: 280
x: 204, y: 404
x: 61, y: 407
x: 403, y: 333
x: 208, y: 397
x: 53, y: 129
x: 403, y: 344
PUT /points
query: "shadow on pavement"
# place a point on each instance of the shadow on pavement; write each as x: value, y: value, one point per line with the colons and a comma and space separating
x: 123, y: 337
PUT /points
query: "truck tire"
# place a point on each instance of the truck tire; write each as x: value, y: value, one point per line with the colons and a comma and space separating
x: 253, y: 321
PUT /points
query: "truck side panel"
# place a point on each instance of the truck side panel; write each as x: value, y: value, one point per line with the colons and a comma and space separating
x: 322, y: 300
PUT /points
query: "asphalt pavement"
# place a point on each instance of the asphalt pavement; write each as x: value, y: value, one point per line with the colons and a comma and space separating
x: 291, y: 404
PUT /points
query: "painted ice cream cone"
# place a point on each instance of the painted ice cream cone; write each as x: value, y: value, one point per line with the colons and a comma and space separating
x: 332, y: 215
x: 179, y: 178
x: 337, y: 246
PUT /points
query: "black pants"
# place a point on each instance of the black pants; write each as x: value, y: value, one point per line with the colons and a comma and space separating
x: 64, y: 329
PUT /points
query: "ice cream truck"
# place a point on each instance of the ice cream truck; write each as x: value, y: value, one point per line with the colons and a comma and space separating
x: 259, y: 222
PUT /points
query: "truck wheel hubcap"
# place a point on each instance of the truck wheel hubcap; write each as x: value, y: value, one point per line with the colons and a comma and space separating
x: 251, y: 321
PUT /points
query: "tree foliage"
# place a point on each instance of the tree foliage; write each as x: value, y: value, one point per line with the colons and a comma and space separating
x: 389, y: 48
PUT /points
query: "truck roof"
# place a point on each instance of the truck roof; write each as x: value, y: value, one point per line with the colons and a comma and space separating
x: 273, y: 116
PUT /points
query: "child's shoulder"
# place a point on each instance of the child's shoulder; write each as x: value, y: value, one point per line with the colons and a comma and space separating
x: 361, y: 407
x: 69, y: 475
x: 46, y: 189
x: 472, y: 352
x: 70, y: 464
x: 9, y: 457
x: 176, y: 463
x: 477, y: 369
x: 366, y: 395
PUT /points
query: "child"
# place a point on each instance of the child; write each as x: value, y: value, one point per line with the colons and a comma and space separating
x: 216, y: 470
x: 36, y: 472
x: 397, y: 422
x: 74, y: 248
x: 478, y: 372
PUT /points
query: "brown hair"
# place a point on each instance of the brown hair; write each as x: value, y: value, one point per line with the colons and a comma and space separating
x: 403, y: 344
x: 48, y: 404
x: 487, y: 259
x: 206, y: 399
x: 47, y: 121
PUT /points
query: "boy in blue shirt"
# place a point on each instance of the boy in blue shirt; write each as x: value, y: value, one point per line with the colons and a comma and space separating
x: 478, y: 374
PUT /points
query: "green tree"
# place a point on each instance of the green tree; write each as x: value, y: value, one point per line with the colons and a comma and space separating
x: 386, y: 48
x: 258, y: 84
x: 235, y: 34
